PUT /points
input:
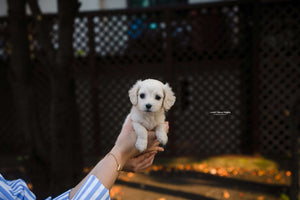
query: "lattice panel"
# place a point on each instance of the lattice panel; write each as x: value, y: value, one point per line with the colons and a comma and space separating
x: 198, y: 131
x: 207, y: 54
x: 208, y: 33
x: 54, y: 33
x: 11, y: 139
x: 42, y: 98
x: 131, y: 38
x: 114, y: 105
x: 279, y: 75
x: 85, y: 106
x: 3, y: 39
x: 80, y: 36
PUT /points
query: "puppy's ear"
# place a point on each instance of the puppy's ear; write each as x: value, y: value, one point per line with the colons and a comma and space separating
x: 133, y: 92
x: 170, y: 98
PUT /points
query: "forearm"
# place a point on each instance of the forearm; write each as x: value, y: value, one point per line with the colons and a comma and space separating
x: 105, y: 170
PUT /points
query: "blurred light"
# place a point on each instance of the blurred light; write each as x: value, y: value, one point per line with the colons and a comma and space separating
x: 134, y: 26
x: 153, y: 25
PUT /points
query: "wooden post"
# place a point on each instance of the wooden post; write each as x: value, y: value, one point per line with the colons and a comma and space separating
x: 94, y: 86
x: 295, y: 132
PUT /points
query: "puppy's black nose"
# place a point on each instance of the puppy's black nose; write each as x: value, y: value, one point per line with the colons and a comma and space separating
x: 148, y: 106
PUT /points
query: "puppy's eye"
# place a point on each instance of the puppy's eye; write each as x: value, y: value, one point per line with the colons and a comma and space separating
x: 157, y: 97
x: 142, y: 95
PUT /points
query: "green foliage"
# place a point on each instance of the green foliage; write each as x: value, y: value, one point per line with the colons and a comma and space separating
x: 284, y: 197
x: 81, y: 53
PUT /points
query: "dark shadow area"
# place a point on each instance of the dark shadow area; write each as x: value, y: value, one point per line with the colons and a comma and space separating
x: 156, y: 189
x: 217, y: 181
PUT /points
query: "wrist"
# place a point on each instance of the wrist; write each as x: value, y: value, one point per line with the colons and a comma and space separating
x: 120, y: 156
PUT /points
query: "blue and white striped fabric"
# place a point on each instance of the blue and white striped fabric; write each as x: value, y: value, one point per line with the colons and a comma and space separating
x: 18, y: 190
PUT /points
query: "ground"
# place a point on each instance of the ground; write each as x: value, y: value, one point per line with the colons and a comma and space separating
x: 215, y: 178
x: 225, y: 177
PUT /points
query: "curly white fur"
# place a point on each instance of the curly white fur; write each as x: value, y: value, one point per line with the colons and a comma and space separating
x: 150, y: 99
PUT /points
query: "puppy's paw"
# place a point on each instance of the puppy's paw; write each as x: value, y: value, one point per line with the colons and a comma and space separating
x: 162, y: 138
x: 141, y: 145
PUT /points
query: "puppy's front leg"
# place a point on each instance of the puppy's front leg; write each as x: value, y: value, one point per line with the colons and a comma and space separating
x: 142, y: 136
x: 161, y: 134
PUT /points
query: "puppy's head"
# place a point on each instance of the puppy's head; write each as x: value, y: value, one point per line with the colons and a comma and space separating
x: 151, y: 95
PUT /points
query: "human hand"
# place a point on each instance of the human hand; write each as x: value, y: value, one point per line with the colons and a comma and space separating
x: 145, y: 159
x: 125, y: 148
x: 140, y: 162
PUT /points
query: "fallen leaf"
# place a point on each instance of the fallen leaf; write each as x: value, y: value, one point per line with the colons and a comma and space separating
x: 30, y: 186
x: 124, y: 178
x: 155, y: 168
x: 169, y: 169
x: 85, y: 170
x: 188, y: 167
x: 288, y: 173
x: 130, y: 174
x: 180, y: 167
x: 235, y: 172
x: 261, y: 173
x: 213, y: 171
x: 226, y: 195
x: 114, y: 191
x: 260, y: 198
x: 278, y: 177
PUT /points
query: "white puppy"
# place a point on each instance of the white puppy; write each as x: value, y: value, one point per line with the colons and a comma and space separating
x: 150, y: 99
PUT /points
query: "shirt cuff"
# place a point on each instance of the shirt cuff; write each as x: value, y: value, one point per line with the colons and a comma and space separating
x: 63, y: 196
x: 91, y: 189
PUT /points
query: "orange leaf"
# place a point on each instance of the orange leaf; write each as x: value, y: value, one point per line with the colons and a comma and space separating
x: 278, y: 177
x: 155, y: 168
x: 188, y: 167
x: 213, y: 171
x: 130, y: 174
x: 235, y: 172
x: 86, y: 170
x: 288, y: 173
x: 261, y: 172
x: 226, y: 195
x: 180, y: 167
x: 260, y: 198
x: 115, y: 190
x: 30, y: 186
x: 124, y: 178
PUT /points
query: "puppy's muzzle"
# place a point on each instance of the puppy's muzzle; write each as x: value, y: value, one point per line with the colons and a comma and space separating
x: 148, y: 107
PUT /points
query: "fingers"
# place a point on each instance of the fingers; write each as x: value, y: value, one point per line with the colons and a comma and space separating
x: 147, y: 162
x: 167, y: 126
x: 155, y: 148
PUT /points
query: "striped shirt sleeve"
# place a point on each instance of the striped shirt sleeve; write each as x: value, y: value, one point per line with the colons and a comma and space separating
x: 92, y: 189
x: 15, y: 190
